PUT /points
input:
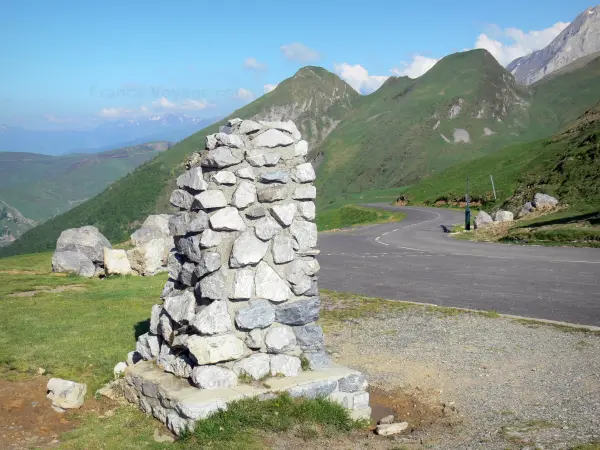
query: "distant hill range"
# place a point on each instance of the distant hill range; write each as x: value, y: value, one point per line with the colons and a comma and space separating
x: 108, y: 135
x: 581, y: 38
x: 36, y: 187
x: 454, y: 118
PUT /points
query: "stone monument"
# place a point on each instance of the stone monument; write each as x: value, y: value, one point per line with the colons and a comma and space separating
x: 242, y: 299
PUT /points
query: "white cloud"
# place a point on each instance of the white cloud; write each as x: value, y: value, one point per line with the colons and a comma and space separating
x: 358, y: 77
x: 253, y: 64
x: 244, y: 94
x: 299, y: 52
x: 114, y: 113
x: 160, y: 105
x: 415, y: 68
x: 189, y: 104
x: 510, y: 43
x: 269, y: 87
x: 163, y: 102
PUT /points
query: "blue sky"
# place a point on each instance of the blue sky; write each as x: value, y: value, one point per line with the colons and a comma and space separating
x: 71, y: 64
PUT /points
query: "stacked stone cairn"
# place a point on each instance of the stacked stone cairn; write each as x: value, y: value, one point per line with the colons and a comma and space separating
x: 242, y: 296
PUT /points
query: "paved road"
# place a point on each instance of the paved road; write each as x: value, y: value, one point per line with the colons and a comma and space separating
x: 416, y: 260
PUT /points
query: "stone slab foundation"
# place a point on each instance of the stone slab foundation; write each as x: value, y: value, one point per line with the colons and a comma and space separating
x: 178, y: 405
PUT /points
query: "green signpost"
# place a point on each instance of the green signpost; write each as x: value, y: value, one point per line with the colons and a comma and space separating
x: 468, y: 210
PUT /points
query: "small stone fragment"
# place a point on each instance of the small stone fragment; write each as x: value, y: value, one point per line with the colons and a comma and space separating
x: 213, y: 319
x: 256, y: 212
x: 305, y: 234
x: 181, y: 308
x: 192, y: 179
x: 307, y: 192
x: 244, y: 195
x: 247, y: 173
x: 283, y: 249
x: 186, y: 222
x: 269, y: 285
x: 224, y: 177
x: 272, y: 194
x: 227, y: 219
x: 211, y: 286
x: 181, y: 366
x: 257, y: 314
x: 243, y: 285
x: 210, y: 238
x: 299, y: 312
x: 247, y: 249
x: 285, y: 365
x: 256, y: 366
x: 209, y: 263
x: 390, y: 429
x: 212, y: 199
x: 284, y: 213
x: 272, y: 138
x: 119, y: 369
x: 301, y: 148
x: 275, y: 177
x: 221, y: 157
x: 213, y: 377
x: 214, y: 349
x: 255, y: 339
x: 304, y: 173
x: 266, y: 228
x: 386, y: 420
x: 280, y: 339
x: 182, y: 199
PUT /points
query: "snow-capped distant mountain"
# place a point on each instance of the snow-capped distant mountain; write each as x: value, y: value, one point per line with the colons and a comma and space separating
x: 581, y: 38
x: 108, y: 135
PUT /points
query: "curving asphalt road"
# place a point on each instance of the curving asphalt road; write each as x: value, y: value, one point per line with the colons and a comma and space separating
x: 416, y: 260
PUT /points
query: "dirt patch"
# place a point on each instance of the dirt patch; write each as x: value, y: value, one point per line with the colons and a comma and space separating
x: 26, y: 418
x: 73, y: 287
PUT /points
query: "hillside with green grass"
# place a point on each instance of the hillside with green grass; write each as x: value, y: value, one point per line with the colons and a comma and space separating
x: 566, y: 166
x: 313, y: 98
x: 411, y: 129
x: 35, y: 187
x: 466, y: 108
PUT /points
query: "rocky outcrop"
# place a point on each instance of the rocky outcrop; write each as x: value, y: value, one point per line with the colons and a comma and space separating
x: 78, y: 250
x: 578, y: 40
x: 541, y: 203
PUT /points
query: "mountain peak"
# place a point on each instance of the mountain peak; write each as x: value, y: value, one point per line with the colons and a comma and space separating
x: 581, y: 38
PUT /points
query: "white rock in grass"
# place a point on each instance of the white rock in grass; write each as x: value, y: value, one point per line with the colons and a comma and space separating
x: 65, y: 394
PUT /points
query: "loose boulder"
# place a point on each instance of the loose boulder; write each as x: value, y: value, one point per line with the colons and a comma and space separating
x: 503, y: 216
x: 75, y: 247
x: 482, y: 220
x: 65, y: 394
x: 116, y: 262
x: 544, y: 202
x: 73, y: 262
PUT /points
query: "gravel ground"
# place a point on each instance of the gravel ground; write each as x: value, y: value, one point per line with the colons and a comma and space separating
x: 513, y: 385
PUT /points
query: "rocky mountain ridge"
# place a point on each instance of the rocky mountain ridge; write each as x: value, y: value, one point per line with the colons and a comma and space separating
x: 581, y: 38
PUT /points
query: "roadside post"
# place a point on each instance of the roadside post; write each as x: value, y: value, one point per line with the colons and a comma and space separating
x: 468, y: 210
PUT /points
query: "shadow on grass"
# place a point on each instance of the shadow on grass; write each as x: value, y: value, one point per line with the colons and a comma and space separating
x: 141, y: 328
x: 593, y: 218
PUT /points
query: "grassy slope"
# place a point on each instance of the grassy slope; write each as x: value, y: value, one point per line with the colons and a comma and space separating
x: 66, y: 334
x: 41, y: 186
x: 389, y: 139
x: 125, y: 204
x: 567, y: 166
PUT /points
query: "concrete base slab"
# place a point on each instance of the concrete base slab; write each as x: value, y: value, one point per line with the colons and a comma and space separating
x: 178, y: 404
